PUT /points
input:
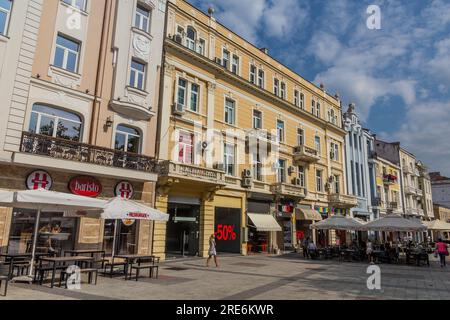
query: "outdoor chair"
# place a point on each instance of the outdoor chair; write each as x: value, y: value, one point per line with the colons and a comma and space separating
x: 4, y: 277
x: 150, y: 263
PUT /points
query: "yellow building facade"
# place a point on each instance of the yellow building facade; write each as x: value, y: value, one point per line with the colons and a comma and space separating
x: 250, y: 149
x: 388, y: 187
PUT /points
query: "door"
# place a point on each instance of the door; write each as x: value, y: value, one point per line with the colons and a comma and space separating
x: 183, y: 232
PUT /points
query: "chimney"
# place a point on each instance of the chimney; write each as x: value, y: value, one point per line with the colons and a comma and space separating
x: 265, y: 50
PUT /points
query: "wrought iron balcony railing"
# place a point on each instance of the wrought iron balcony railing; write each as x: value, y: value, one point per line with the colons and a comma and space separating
x: 58, y: 148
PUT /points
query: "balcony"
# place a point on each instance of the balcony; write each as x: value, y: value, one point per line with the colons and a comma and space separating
x: 134, y: 104
x: 57, y: 148
x: 410, y: 190
x: 389, y: 179
x: 306, y: 154
x: 411, y: 211
x: 191, y: 172
x: 342, y: 201
x: 290, y: 190
x: 407, y: 170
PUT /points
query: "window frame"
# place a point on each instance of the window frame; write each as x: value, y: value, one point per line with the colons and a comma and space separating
x: 66, y: 53
x: 261, y: 78
x: 8, y: 19
x: 229, y: 156
x: 142, y: 18
x: 191, y: 41
x: 319, y: 180
x: 235, y: 64
x: 301, y: 136
x: 182, y: 146
x: 255, y: 117
x: 253, y: 74
x: 281, y: 171
x: 281, y: 132
x: 318, y: 144
x: 127, y: 135
x: 136, y: 75
x: 302, y: 176
x: 226, y: 107
x: 276, y: 87
x: 283, y: 90
x: 228, y: 60
x: 192, y: 93
x: 71, y: 4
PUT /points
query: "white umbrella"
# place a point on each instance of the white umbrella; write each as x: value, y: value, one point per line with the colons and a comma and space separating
x: 394, y: 222
x: 123, y: 209
x: 44, y: 200
x: 338, y: 223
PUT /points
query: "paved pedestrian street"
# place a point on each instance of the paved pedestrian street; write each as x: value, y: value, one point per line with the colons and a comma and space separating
x: 287, y: 277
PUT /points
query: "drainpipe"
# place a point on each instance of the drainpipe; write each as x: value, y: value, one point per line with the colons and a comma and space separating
x: 100, y: 72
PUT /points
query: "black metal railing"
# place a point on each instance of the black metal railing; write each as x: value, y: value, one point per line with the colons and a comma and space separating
x: 58, y: 148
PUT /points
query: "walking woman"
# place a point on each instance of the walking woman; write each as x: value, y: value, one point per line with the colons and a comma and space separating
x: 212, y: 251
x: 442, y: 251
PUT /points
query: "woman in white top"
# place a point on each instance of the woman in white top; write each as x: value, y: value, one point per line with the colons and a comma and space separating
x: 212, y: 251
x: 369, y: 251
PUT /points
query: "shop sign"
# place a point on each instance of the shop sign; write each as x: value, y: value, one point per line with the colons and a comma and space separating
x: 137, y: 215
x: 128, y: 222
x: 39, y: 179
x: 124, y: 189
x: 85, y: 186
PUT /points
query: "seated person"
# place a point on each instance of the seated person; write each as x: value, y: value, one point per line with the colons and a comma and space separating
x: 56, y: 229
x: 312, y: 250
x: 45, y: 229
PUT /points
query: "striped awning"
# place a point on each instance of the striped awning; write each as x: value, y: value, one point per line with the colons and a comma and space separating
x: 307, y: 214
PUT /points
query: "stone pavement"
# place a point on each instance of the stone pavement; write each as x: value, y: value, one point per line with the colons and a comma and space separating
x: 286, y: 277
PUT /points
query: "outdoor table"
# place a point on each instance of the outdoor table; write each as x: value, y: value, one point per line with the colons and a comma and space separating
x: 55, y: 261
x: 129, y: 260
x: 418, y: 256
x: 10, y: 257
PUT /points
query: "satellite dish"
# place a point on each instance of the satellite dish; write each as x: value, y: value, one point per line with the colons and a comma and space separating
x: 204, y: 145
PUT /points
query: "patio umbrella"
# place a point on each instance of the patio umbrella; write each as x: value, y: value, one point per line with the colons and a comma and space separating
x: 44, y: 200
x: 393, y: 223
x: 338, y: 223
x: 123, y: 209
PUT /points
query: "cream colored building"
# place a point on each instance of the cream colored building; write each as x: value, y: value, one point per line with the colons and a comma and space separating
x: 82, y: 106
x: 222, y: 98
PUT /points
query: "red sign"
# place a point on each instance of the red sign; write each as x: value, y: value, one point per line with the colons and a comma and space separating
x: 85, y: 186
x: 39, y: 180
x: 225, y: 232
x: 137, y: 215
x: 124, y: 190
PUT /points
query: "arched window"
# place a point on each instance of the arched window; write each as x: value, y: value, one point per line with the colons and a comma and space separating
x: 191, y: 36
x: 127, y: 139
x: 55, y: 122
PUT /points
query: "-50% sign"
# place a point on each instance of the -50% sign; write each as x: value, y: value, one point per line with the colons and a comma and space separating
x: 225, y: 232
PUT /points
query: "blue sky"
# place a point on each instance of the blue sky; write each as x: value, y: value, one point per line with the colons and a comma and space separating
x: 398, y: 76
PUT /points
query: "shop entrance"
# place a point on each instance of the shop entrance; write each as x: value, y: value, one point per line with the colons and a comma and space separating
x: 125, y: 234
x: 228, y: 230
x: 183, y: 230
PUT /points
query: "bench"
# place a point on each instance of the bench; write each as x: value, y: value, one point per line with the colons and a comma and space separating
x: 110, y: 264
x: 89, y: 271
x: 150, y: 263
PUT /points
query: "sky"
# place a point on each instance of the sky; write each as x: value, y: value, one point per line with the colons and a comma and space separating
x: 398, y: 75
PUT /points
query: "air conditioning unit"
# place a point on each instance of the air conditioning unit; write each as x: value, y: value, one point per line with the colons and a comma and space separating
x: 247, y: 173
x: 219, y: 166
x: 178, y: 38
x: 291, y: 170
x: 178, y: 109
x: 218, y: 61
x: 247, y: 183
x: 297, y: 182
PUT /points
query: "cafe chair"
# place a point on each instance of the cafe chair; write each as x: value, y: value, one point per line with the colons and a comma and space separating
x: 4, y: 277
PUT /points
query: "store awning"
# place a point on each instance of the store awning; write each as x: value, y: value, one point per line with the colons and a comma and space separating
x: 307, y: 214
x: 264, y: 222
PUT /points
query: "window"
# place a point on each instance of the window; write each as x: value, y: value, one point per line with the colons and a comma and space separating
x: 235, y: 64
x: 358, y: 179
x: 319, y: 186
x: 296, y: 98
x: 353, y: 177
x: 363, y: 181
x: 283, y: 90
x: 318, y: 110
x: 229, y: 159
x: 261, y: 79
x: 55, y: 122
x: 79, y: 4
x: 127, y: 139
x: 182, y: 92
x: 186, y: 148
x: 302, y: 101
x: 253, y: 74
x: 226, y: 58
x: 5, y: 13
x: 229, y: 111
x: 313, y: 107
x: 257, y: 119
x: 334, y: 150
x: 276, y: 87
x: 301, y: 176
x: 332, y: 116
x: 281, y: 171
x: 137, y: 75
x: 194, y: 96
x: 317, y: 144
x: 300, y: 137
x: 337, y: 184
x: 66, y: 54
x: 201, y: 47
x: 190, y: 38
x: 280, y: 130
x: 142, y: 19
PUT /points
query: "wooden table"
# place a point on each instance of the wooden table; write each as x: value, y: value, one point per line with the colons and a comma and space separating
x: 10, y: 257
x: 64, y: 260
x: 130, y: 259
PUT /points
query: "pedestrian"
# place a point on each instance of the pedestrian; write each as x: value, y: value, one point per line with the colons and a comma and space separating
x: 305, y: 247
x: 212, y: 251
x: 312, y: 250
x: 369, y: 251
x: 442, y: 251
